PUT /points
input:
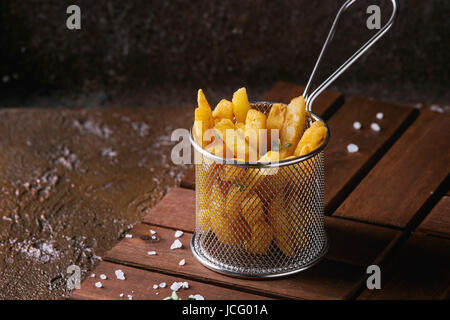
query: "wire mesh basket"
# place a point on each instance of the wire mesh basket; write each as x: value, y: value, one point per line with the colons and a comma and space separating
x: 260, y: 219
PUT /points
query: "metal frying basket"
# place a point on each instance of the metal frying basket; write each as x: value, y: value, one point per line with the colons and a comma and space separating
x: 266, y: 219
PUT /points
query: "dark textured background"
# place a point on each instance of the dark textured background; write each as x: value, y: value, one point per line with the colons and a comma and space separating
x: 169, y: 48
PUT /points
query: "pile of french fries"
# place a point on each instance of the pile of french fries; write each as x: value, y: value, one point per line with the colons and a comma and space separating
x: 232, y: 202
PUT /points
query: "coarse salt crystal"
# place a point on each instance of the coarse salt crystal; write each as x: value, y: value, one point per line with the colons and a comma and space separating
x: 182, y: 262
x: 357, y: 125
x: 162, y: 285
x: 128, y: 236
x: 153, y: 237
x: 352, y: 148
x: 151, y: 253
x: 130, y: 297
x: 380, y: 115
x: 196, y: 297
x: 119, y: 274
x: 152, y: 231
x: 176, y: 244
x: 375, y: 126
x: 178, y: 285
x: 121, y: 295
x: 155, y: 286
x: 178, y: 233
x: 103, y: 276
x: 98, y: 284
x: 93, y: 275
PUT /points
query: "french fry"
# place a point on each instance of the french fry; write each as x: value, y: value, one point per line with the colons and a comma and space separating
x: 286, y: 221
x: 252, y: 209
x: 203, y: 104
x: 261, y: 238
x: 275, y: 121
x: 223, y: 110
x: 293, y: 126
x: 241, y: 105
x: 255, y: 129
x: 313, y: 137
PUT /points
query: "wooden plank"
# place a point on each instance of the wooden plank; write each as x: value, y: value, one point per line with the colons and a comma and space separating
x: 139, y: 284
x: 343, y: 169
x: 437, y: 221
x: 324, y: 106
x: 351, y: 242
x: 358, y: 243
x: 176, y: 210
x: 188, y: 180
x: 406, y: 177
x: 327, y: 280
x: 419, y: 270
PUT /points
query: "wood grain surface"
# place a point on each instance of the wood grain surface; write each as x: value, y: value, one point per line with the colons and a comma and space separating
x: 406, y: 177
x: 437, y: 222
x: 420, y: 269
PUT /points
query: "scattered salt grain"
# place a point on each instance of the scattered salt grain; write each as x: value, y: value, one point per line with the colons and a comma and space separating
x: 380, y: 115
x: 151, y: 253
x: 196, y: 297
x: 176, y: 245
x: 120, y: 275
x: 178, y: 285
x: 178, y: 233
x: 128, y: 235
x: 98, y: 284
x: 130, y: 297
x: 375, y: 126
x: 182, y: 262
x: 93, y: 275
x: 152, y: 231
x: 155, y: 286
x: 352, y: 148
x: 157, y: 293
x: 162, y: 285
x: 153, y: 237
x: 121, y: 295
x: 357, y: 125
x: 103, y: 277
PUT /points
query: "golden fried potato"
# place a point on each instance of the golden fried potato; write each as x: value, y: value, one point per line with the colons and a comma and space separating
x: 313, y: 137
x: 286, y: 222
x: 223, y: 110
x: 256, y: 130
x: 219, y: 148
x: 222, y: 127
x: 293, y: 126
x: 203, y: 104
x: 241, y: 105
x: 242, y: 230
x: 233, y: 173
x: 261, y: 238
x: 224, y: 230
x: 275, y: 121
x: 204, y: 219
x: 232, y: 202
x: 252, y: 209
x: 201, y: 125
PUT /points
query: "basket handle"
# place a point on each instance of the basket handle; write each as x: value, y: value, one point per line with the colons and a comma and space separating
x: 311, y: 97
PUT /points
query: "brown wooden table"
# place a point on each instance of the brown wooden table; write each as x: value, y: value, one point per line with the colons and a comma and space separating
x: 387, y: 204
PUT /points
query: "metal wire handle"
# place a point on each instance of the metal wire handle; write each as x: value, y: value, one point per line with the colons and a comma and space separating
x: 310, y: 98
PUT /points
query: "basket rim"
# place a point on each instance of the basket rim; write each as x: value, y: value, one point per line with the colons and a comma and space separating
x: 282, y: 163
